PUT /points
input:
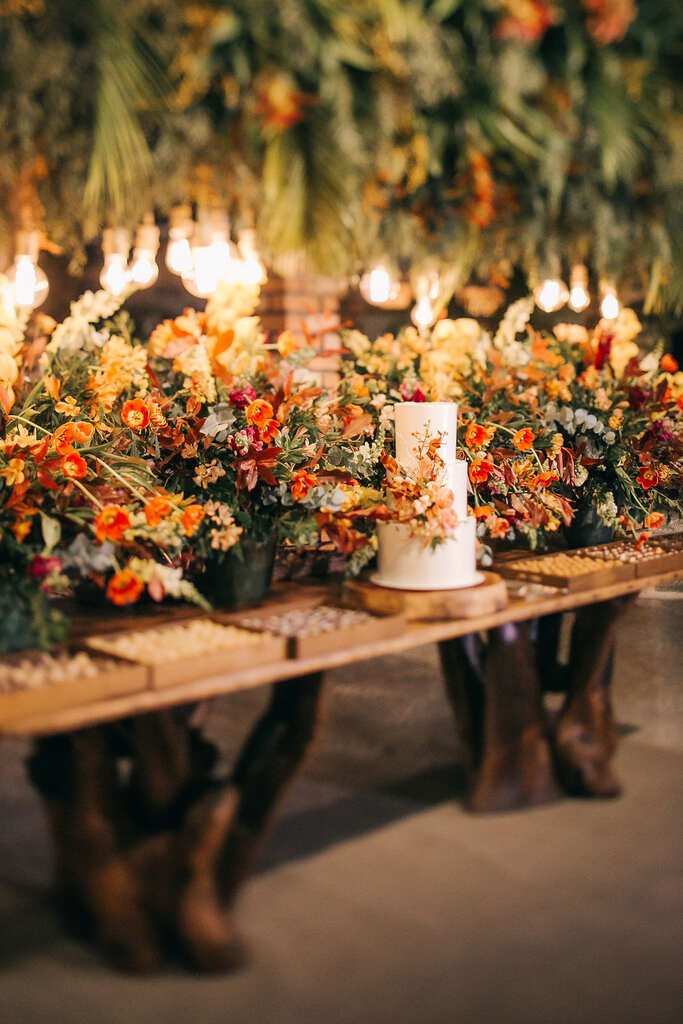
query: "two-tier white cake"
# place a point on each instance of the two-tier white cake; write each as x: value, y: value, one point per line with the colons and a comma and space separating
x: 403, y: 561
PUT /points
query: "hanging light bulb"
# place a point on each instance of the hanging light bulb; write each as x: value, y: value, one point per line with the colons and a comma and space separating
x: 379, y: 286
x: 27, y: 286
x: 204, y: 275
x: 144, y: 269
x: 551, y: 294
x: 422, y: 314
x: 579, y: 297
x: 609, y: 306
x: 251, y: 268
x: 115, y: 276
x: 225, y: 255
x: 178, y: 251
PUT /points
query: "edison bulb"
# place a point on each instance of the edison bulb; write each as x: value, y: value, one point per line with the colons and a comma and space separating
x: 27, y: 285
x: 378, y: 286
x: 203, y: 278
x: 114, y: 275
x: 252, y: 270
x: 178, y: 254
x: 422, y: 313
x: 144, y: 270
x: 609, y: 307
x: 579, y: 298
x: 551, y: 295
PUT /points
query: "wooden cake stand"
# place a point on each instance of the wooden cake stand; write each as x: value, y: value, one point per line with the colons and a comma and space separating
x: 467, y: 603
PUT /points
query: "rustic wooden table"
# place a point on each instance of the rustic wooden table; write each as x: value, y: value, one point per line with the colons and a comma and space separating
x: 150, y: 855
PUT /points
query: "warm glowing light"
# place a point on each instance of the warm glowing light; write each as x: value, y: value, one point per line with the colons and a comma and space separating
x: 178, y: 255
x: 114, y: 275
x: 422, y: 313
x: 379, y: 286
x: 143, y: 269
x: 551, y: 294
x: 251, y: 269
x: 205, y: 275
x: 579, y: 297
x: 609, y: 307
x: 27, y: 286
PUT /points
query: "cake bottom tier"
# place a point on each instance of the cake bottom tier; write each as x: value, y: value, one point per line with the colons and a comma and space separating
x: 405, y: 563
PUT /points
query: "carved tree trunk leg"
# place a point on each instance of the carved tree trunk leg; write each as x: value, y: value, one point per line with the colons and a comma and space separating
x: 585, y: 735
x: 494, y: 687
x: 272, y: 754
x: 76, y: 775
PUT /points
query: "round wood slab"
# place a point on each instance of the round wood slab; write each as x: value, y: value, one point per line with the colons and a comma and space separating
x: 483, y: 599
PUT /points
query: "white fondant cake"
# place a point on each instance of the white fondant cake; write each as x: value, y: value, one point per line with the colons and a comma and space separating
x: 404, y: 562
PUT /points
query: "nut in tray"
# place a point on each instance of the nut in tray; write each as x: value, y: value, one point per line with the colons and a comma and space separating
x: 310, y: 632
x: 569, y: 570
x: 35, y: 683
x: 188, y: 651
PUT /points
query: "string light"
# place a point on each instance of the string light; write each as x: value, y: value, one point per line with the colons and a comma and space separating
x: 251, y: 269
x: 144, y: 269
x: 27, y: 286
x: 423, y: 313
x: 579, y: 297
x: 609, y: 306
x: 204, y: 275
x: 225, y: 256
x: 379, y: 286
x: 551, y: 294
x: 115, y: 276
x: 178, y: 251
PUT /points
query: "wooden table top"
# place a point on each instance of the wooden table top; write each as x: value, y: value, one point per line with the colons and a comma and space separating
x: 415, y: 635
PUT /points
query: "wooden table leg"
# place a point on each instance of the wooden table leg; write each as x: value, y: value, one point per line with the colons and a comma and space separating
x: 585, y: 736
x: 495, y: 693
x: 150, y: 857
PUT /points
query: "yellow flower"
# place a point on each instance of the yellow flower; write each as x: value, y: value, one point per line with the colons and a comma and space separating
x: 556, y: 442
x: 616, y: 419
x: 13, y: 472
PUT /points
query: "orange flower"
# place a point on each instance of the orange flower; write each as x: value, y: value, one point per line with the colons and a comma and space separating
x: 124, y: 588
x: 68, y: 407
x: 191, y: 518
x: 155, y: 510
x: 543, y: 480
x: 135, y: 414
x: 648, y: 478
x: 654, y: 520
x: 82, y: 432
x: 287, y: 343
x: 480, y: 471
x: 499, y: 527
x: 63, y: 438
x: 302, y: 483
x: 21, y: 528
x: 668, y: 363
x: 111, y: 523
x: 483, y: 512
x: 269, y: 430
x: 74, y: 466
x: 52, y: 386
x: 524, y: 439
x: 477, y: 436
x: 259, y: 412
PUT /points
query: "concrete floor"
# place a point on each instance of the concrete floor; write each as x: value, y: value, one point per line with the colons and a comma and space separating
x: 379, y: 899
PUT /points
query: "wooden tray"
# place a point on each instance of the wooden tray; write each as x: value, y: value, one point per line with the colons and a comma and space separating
x: 123, y: 679
x: 668, y: 562
x: 602, y: 577
x: 420, y: 605
x: 378, y: 627
x: 222, y: 662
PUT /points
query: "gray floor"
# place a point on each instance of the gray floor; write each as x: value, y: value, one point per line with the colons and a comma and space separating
x: 378, y: 899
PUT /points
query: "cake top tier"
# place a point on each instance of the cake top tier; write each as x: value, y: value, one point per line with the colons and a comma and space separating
x: 415, y: 420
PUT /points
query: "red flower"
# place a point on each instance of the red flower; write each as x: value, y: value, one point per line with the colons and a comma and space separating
x: 668, y: 363
x: 524, y: 439
x: 41, y: 567
x: 82, y: 432
x: 544, y: 480
x: 111, y: 523
x: 269, y: 431
x: 63, y: 438
x: 124, y: 588
x: 74, y: 466
x: 476, y: 436
x: 135, y: 414
x: 302, y: 483
x: 648, y: 478
x: 480, y: 470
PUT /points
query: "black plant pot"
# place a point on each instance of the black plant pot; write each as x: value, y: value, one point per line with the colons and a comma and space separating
x: 587, y: 529
x: 239, y: 578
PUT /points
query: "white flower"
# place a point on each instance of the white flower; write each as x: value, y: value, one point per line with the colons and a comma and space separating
x: 610, y: 436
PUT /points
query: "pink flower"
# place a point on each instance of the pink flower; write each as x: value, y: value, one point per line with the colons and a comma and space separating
x: 41, y: 567
x: 242, y: 397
